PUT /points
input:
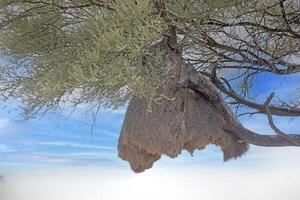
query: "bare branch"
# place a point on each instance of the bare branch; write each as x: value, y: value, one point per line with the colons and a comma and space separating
x: 272, y: 124
x: 261, y: 140
x: 279, y: 111
x: 71, y: 6
x: 236, y: 128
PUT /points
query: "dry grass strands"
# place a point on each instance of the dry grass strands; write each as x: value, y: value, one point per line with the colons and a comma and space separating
x: 189, y: 122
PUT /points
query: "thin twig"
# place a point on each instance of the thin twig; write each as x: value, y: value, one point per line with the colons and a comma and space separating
x: 272, y: 124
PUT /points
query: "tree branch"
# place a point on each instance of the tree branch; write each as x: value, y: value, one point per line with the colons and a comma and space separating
x: 272, y: 124
x: 234, y: 127
x: 259, y: 107
x: 71, y: 6
x: 251, y: 137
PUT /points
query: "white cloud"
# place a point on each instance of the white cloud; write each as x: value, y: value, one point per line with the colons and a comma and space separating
x: 3, y: 123
x: 6, y: 149
x: 90, y: 154
x: 49, y: 159
x: 108, y: 133
x: 78, y: 155
x: 77, y: 145
x: 157, y: 184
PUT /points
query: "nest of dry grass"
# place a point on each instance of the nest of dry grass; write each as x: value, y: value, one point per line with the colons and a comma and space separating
x: 190, y: 122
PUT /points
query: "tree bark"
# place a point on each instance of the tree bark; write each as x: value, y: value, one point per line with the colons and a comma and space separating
x: 201, y: 84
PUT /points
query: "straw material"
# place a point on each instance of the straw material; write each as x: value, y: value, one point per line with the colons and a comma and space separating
x: 189, y: 122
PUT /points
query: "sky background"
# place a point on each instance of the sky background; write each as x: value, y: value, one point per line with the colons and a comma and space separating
x: 64, y: 140
x: 56, y: 157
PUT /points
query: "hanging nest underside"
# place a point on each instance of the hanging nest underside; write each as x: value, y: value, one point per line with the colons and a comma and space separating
x: 189, y: 122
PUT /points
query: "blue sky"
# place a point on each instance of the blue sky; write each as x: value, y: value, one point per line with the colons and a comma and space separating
x: 63, y: 141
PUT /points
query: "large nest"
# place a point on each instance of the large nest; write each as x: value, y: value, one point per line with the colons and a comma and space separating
x: 189, y: 122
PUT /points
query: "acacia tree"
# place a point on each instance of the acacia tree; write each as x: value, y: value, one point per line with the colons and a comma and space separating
x: 169, y: 58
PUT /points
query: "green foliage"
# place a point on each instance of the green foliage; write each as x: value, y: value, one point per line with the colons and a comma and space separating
x: 100, y: 55
x: 101, y: 52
